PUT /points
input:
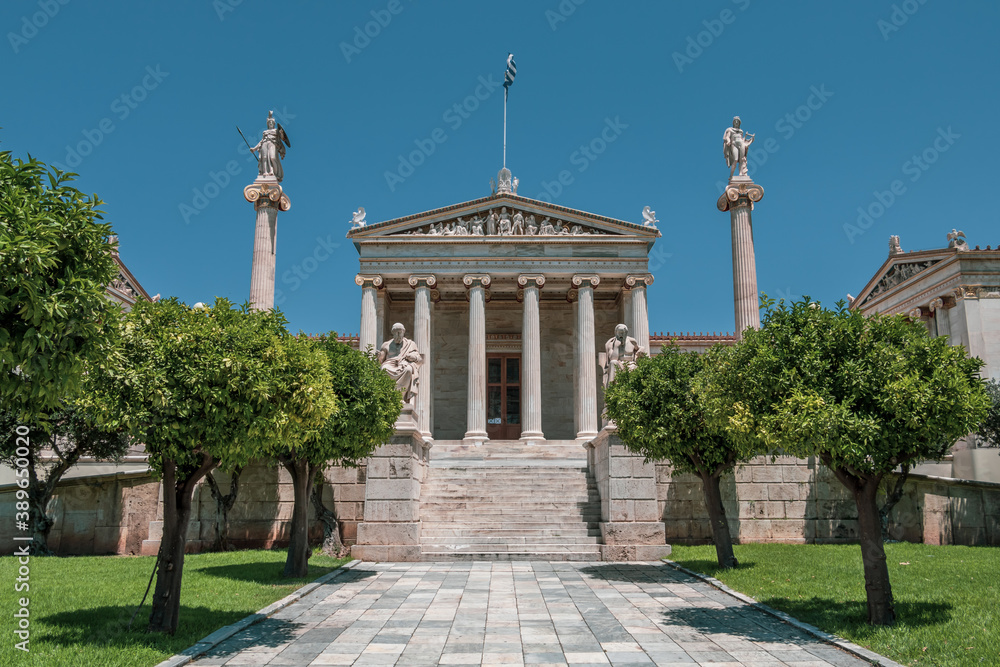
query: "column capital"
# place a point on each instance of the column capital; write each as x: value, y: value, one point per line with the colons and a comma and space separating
x: 525, y: 279
x: 422, y: 280
x: 739, y: 193
x: 579, y: 279
x: 471, y: 280
x: 267, y: 194
x: 637, y: 280
x: 362, y: 280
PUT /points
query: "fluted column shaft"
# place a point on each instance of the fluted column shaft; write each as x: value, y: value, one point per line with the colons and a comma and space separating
x: 476, y: 406
x: 368, y: 335
x: 531, y: 360
x: 738, y: 199
x: 264, y: 247
x: 422, y: 337
x: 640, y: 317
x: 746, y: 304
x: 586, y: 370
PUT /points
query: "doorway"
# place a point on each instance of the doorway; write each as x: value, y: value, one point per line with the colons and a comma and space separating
x: 503, y: 396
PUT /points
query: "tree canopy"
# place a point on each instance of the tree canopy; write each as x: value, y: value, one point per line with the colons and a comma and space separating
x: 660, y: 415
x: 368, y: 406
x: 56, y: 263
x: 204, y: 387
x: 863, y: 394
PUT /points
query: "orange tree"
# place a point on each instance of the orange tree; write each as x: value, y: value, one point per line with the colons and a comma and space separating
x: 368, y: 405
x: 863, y: 394
x: 204, y: 387
x: 660, y: 415
x: 54, y: 266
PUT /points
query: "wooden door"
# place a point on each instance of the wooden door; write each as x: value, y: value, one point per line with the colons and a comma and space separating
x: 503, y: 396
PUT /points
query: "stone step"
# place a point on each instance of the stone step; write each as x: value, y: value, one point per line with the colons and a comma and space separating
x: 509, y: 524
x: 536, y: 533
x: 512, y: 495
x: 506, y: 540
x: 487, y: 555
x: 506, y: 472
x: 513, y: 504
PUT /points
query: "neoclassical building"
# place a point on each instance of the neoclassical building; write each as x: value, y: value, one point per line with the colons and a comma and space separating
x: 510, y: 301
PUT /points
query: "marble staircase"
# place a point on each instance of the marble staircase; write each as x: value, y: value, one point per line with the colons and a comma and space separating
x: 507, y: 500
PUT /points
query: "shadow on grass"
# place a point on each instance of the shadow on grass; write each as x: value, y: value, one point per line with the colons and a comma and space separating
x: 711, y: 567
x: 265, y: 573
x: 851, y: 617
x: 660, y: 574
x: 108, y: 627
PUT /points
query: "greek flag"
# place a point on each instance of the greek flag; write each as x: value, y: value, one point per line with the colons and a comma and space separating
x: 508, y: 77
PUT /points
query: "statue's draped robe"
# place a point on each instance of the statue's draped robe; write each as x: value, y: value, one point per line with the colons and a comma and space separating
x: 620, y: 357
x: 403, y: 367
x: 271, y: 152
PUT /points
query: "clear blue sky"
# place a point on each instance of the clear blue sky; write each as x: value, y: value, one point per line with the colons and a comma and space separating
x: 886, y: 81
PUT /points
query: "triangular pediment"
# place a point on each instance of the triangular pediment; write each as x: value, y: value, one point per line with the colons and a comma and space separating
x: 502, y: 216
x: 898, y: 269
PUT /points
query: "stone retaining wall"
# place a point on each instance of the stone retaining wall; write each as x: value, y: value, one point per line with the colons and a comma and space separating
x: 262, y: 515
x: 104, y: 514
x: 790, y: 500
x: 800, y: 501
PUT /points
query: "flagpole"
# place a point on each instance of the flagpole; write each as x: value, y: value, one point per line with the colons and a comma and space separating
x: 505, y: 127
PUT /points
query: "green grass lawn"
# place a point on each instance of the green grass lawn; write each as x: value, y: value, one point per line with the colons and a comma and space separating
x: 947, y: 597
x: 80, y: 606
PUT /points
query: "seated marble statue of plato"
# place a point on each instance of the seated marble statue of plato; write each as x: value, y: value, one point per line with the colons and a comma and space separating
x: 400, y: 358
x: 621, y: 351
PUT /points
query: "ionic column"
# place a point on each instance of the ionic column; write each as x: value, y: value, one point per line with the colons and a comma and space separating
x: 422, y: 337
x: 267, y: 200
x: 738, y: 199
x: 586, y: 368
x: 531, y: 360
x: 939, y: 311
x: 369, y: 320
x: 476, y: 417
x: 639, y: 326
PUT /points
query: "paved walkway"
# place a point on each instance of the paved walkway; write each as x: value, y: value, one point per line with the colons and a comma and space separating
x: 521, y: 613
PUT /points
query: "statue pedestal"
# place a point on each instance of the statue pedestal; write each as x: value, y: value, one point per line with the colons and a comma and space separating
x: 631, y: 526
x: 390, y: 530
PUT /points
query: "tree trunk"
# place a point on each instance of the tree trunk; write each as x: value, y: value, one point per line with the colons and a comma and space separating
x: 333, y: 545
x: 717, y: 516
x: 877, y: 587
x: 177, y: 495
x: 223, y: 503
x: 891, y: 498
x: 39, y: 494
x: 297, y: 562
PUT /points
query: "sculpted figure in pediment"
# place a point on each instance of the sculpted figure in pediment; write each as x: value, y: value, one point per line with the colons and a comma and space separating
x: 547, y: 228
x: 476, y: 226
x: 531, y: 227
x: 504, y: 227
x: 517, y: 227
x: 491, y: 223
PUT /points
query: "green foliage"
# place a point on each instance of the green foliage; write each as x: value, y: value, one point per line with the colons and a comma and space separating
x: 660, y: 415
x: 222, y: 381
x: 72, y: 430
x: 370, y: 404
x: 865, y: 393
x: 989, y: 429
x: 54, y: 266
